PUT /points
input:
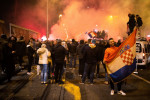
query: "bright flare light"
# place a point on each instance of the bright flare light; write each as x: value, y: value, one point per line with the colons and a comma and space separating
x: 44, y: 38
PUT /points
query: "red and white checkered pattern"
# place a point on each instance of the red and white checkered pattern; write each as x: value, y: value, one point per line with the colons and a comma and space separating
x: 127, y: 57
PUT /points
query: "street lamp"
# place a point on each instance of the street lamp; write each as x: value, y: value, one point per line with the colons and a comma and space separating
x: 60, y: 15
x: 47, y: 32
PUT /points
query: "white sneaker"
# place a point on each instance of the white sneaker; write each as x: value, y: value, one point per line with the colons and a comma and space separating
x: 112, y: 92
x: 28, y: 73
x: 121, y: 92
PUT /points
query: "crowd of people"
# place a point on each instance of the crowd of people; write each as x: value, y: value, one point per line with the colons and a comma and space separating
x: 51, y: 57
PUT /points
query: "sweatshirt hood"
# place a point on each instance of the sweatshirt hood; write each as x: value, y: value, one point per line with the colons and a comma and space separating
x: 91, y: 45
x: 41, y: 50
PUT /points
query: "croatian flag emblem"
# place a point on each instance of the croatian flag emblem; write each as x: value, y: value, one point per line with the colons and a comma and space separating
x: 127, y: 57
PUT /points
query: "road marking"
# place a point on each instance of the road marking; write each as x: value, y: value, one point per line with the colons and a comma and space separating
x: 73, y: 89
x: 141, y: 78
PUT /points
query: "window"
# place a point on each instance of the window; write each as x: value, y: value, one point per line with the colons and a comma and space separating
x: 138, y: 48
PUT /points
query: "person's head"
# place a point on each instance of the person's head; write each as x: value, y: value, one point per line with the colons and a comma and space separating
x: 31, y: 40
x: 119, y: 41
x: 137, y: 16
x: 81, y: 41
x: 111, y: 42
x: 73, y: 40
x: 21, y: 37
x: 58, y: 41
x: 43, y: 46
x: 89, y: 40
x: 129, y: 15
x: 12, y: 38
x: 93, y: 41
x: 102, y: 42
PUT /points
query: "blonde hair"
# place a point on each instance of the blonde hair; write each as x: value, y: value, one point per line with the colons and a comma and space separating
x: 43, y: 46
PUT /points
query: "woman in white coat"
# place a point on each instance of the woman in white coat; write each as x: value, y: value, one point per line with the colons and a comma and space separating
x: 43, y: 62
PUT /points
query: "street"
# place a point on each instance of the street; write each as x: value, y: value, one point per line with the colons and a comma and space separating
x: 136, y: 87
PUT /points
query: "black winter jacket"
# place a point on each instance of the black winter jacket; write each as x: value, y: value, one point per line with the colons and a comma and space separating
x: 59, y: 53
x: 91, y: 54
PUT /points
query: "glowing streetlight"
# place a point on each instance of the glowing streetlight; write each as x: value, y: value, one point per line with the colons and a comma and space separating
x: 60, y: 15
x: 111, y: 17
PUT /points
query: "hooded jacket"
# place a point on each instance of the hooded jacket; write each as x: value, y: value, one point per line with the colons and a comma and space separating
x: 91, y: 54
x: 59, y: 53
x: 43, y: 54
x: 79, y: 50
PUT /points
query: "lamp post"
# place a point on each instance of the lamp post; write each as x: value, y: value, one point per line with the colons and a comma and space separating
x: 47, y: 30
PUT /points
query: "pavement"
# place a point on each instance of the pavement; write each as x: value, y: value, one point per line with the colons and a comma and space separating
x: 136, y: 86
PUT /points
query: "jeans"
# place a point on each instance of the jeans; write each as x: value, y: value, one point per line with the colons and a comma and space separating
x: 72, y: 58
x: 89, y: 68
x: 44, y: 70
x: 106, y: 75
x: 48, y: 69
x: 118, y: 85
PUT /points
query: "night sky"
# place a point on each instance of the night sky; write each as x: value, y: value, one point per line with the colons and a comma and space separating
x: 78, y: 16
x: 10, y: 8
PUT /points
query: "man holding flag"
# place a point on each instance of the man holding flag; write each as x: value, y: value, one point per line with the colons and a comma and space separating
x: 120, y: 61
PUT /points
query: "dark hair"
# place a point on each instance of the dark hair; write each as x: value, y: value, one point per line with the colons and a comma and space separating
x: 21, y: 37
x: 111, y: 39
x: 73, y: 40
x: 129, y: 15
x: 137, y: 15
x: 81, y: 41
x: 58, y: 40
x: 89, y: 40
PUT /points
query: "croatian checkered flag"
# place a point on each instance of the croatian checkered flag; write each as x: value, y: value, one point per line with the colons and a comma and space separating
x: 123, y: 62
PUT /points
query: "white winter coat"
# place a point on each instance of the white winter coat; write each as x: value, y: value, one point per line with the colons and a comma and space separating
x: 43, y: 55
